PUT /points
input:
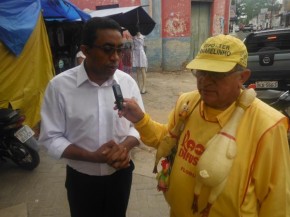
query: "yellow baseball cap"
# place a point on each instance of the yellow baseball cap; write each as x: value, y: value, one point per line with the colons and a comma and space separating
x: 220, y: 53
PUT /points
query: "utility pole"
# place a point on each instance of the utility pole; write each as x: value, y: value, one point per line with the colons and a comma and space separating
x: 271, y: 12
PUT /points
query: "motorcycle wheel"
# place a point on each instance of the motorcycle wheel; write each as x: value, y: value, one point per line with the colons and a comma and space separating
x: 22, y: 155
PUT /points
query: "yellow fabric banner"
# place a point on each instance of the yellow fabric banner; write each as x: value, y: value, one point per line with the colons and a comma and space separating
x: 23, y: 79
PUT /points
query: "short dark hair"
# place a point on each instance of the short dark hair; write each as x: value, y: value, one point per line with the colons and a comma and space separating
x: 238, y: 67
x: 89, y: 34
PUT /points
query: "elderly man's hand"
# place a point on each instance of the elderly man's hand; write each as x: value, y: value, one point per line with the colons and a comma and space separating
x: 131, y: 110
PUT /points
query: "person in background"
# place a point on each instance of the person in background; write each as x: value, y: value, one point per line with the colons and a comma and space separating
x: 140, y: 61
x: 258, y: 179
x: 80, y: 57
x: 127, y: 54
x: 79, y: 124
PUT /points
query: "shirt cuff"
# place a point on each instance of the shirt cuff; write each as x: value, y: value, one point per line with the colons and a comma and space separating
x: 133, y: 132
x: 143, y: 122
x: 57, y: 147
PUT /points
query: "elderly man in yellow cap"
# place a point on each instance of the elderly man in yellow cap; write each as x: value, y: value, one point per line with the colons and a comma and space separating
x: 249, y: 167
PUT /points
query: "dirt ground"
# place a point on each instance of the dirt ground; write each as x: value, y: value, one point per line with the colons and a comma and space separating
x: 163, y: 89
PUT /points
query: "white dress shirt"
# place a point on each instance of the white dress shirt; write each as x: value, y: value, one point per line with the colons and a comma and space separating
x: 78, y: 111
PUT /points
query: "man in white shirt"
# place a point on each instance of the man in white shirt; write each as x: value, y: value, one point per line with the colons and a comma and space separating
x: 80, y: 125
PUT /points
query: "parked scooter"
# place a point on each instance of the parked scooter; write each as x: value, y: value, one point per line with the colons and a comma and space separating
x: 279, y: 100
x: 17, y: 142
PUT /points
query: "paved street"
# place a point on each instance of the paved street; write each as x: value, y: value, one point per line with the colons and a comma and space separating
x: 41, y: 193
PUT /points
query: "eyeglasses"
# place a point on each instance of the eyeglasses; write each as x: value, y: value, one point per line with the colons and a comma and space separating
x: 109, y: 50
x: 213, y: 75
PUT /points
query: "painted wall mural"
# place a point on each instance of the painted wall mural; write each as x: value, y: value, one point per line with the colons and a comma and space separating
x: 220, y: 17
x: 218, y: 27
x: 175, y: 18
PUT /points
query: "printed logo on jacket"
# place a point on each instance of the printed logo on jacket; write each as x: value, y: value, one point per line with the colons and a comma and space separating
x: 190, y: 151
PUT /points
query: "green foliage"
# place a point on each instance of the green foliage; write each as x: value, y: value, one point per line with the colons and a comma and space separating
x: 247, y: 9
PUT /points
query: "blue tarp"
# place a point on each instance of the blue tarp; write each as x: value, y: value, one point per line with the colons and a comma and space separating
x: 18, y: 19
x: 62, y: 10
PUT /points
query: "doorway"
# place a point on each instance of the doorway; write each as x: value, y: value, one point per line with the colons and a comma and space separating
x: 200, y: 24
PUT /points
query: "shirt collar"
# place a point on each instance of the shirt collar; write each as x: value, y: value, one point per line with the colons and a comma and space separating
x: 215, y: 115
x: 81, y: 74
x: 112, y: 80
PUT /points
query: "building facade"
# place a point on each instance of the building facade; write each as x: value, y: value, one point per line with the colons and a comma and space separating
x: 181, y: 27
x: 286, y: 13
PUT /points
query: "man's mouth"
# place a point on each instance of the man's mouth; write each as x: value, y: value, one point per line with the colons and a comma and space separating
x: 207, y: 92
x: 112, y: 67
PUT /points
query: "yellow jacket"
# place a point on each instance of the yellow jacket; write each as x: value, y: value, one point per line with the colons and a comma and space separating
x: 259, y: 181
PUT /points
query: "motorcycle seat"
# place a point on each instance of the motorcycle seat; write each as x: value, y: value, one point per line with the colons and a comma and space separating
x: 8, y: 115
x: 268, y: 94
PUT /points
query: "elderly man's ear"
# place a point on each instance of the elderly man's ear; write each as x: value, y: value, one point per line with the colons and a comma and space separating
x: 244, y: 76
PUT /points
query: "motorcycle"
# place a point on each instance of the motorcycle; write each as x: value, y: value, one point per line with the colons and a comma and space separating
x: 279, y: 100
x: 17, y: 141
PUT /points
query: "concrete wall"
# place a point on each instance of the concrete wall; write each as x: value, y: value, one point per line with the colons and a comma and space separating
x: 153, y: 40
x: 175, y: 33
x: 154, y: 53
x: 176, y: 53
x: 220, y: 17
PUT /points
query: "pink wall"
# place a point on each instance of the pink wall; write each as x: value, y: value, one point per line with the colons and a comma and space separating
x: 175, y: 18
x: 175, y: 15
x: 127, y: 3
x: 91, y: 4
x: 220, y: 17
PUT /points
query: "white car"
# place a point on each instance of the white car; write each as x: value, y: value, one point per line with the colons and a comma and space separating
x: 236, y: 28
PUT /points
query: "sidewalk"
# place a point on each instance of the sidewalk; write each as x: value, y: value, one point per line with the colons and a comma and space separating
x: 41, y: 193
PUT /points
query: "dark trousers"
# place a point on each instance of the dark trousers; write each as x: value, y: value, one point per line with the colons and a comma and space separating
x: 99, y: 196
